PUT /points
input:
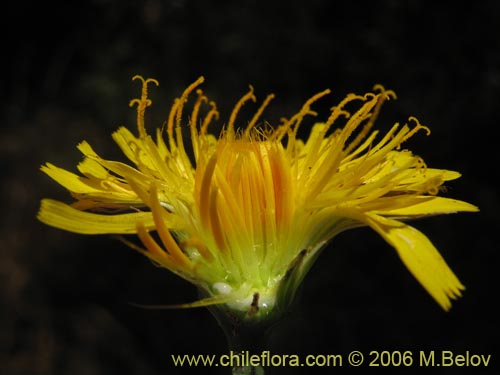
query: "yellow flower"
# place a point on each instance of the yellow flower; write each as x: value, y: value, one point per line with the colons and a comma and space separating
x: 244, y: 216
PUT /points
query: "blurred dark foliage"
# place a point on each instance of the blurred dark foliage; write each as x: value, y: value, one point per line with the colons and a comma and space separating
x: 66, y: 77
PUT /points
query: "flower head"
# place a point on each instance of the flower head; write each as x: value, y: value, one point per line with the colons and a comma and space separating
x: 243, y: 216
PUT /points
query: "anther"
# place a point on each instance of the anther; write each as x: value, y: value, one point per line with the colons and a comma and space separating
x: 248, y: 96
x: 387, y: 94
x: 213, y: 113
x: 176, y: 112
x: 295, y: 121
x: 142, y: 103
x: 413, y: 131
x: 258, y: 114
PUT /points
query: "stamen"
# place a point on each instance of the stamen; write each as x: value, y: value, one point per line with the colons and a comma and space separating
x: 330, y: 164
x: 339, y: 110
x: 389, y: 94
x: 176, y: 111
x: 183, y: 99
x: 298, y: 117
x: 208, y: 118
x: 142, y: 103
x: 417, y: 127
x: 248, y: 96
x: 258, y: 114
x: 196, y: 109
x: 194, y: 120
x: 170, y: 124
x: 383, y: 96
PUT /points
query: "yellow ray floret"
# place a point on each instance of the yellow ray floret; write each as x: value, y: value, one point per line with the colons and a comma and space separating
x: 60, y: 215
x: 244, y: 215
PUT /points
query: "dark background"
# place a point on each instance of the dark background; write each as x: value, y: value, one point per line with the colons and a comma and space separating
x: 66, y: 77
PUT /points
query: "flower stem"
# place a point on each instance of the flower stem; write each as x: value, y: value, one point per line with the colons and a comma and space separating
x: 245, y: 338
x: 248, y: 370
x: 244, y: 342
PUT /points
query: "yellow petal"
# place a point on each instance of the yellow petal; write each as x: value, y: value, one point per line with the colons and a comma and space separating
x: 428, y: 175
x: 445, y: 174
x: 63, y: 216
x: 133, y: 147
x: 420, y: 257
x: 86, y: 149
x: 92, y: 188
x: 125, y: 139
x: 420, y: 206
x: 69, y: 180
x: 91, y: 168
